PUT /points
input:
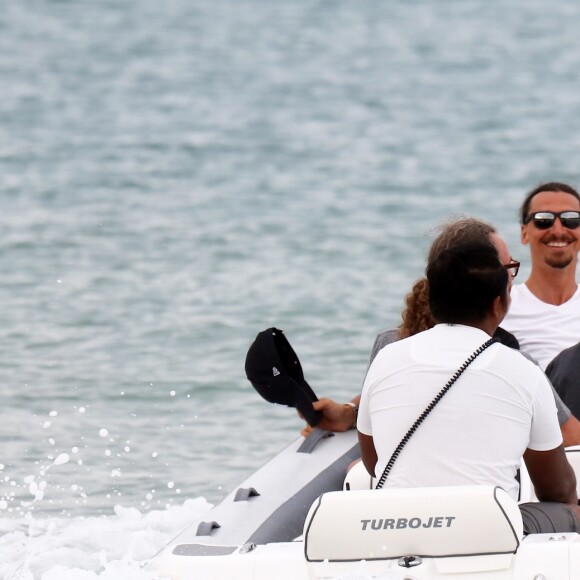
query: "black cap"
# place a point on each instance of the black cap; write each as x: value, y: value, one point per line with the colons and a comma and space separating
x: 275, y: 372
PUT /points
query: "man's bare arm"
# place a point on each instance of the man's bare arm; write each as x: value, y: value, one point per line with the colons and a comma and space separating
x: 368, y: 452
x: 552, y: 475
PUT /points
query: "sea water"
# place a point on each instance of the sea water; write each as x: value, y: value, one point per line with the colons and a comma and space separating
x: 177, y: 176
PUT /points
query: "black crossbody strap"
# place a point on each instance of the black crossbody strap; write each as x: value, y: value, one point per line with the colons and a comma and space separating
x: 429, y: 408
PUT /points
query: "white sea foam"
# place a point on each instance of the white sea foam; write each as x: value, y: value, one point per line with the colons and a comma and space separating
x: 122, y: 546
x: 115, y: 547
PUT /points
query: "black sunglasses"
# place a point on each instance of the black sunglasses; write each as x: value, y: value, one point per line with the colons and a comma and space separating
x: 544, y: 220
x: 513, y: 268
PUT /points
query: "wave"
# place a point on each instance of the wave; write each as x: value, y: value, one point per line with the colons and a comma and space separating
x: 113, y: 547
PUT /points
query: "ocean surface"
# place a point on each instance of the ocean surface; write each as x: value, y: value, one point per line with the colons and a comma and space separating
x: 177, y: 176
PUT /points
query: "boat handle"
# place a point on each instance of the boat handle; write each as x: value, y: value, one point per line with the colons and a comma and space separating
x: 205, y: 528
x: 245, y: 493
x: 316, y: 435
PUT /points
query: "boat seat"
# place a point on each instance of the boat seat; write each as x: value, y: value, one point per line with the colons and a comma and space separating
x: 358, y: 478
x: 438, y: 522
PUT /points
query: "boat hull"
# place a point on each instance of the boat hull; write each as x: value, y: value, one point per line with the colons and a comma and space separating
x: 274, y: 526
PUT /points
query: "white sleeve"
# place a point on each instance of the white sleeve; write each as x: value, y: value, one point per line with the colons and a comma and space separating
x: 363, y: 423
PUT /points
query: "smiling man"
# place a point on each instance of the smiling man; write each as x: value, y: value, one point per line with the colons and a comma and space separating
x: 545, y: 311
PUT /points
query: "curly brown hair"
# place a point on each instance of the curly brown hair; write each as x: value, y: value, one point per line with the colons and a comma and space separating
x: 416, y: 315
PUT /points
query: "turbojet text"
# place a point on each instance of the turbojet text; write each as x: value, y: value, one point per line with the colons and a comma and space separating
x: 402, y: 523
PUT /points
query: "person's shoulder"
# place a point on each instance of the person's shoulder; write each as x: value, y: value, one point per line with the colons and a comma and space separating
x: 387, y: 337
x: 520, y: 292
x: 570, y: 351
x: 520, y: 361
x: 570, y: 355
x: 517, y: 306
x: 518, y: 288
x: 383, y: 339
x: 522, y: 373
x: 506, y: 338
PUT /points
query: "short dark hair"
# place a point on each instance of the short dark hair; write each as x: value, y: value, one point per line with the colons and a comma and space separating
x: 552, y: 186
x: 464, y: 281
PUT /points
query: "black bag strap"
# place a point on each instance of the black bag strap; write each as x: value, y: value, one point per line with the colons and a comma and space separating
x: 429, y: 408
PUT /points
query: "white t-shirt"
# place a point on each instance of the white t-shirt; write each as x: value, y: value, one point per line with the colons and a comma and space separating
x: 478, y: 432
x: 543, y: 330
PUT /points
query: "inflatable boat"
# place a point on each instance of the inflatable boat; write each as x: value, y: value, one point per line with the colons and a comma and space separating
x: 299, y: 518
x: 267, y: 509
x: 305, y: 515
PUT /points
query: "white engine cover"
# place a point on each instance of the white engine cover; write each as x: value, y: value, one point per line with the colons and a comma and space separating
x: 441, y: 522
